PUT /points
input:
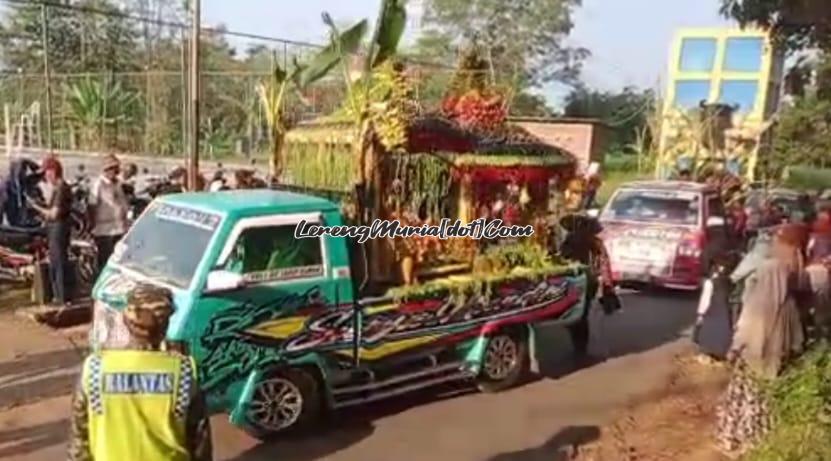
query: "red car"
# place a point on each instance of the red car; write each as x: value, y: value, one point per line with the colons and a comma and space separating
x: 664, y: 232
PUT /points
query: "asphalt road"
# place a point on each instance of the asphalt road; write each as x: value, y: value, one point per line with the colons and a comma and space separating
x: 561, y: 406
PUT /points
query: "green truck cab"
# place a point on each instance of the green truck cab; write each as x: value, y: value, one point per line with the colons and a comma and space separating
x: 277, y: 325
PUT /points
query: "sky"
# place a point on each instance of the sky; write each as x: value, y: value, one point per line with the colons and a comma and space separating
x: 629, y: 39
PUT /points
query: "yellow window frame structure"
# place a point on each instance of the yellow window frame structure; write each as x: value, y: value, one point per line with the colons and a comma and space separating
x: 677, y: 132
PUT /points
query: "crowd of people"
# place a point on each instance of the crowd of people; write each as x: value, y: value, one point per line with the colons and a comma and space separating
x: 784, y: 304
x: 36, y: 195
x: 783, y: 279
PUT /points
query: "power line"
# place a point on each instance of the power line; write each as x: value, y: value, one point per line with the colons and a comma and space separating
x: 158, y: 22
x: 183, y: 26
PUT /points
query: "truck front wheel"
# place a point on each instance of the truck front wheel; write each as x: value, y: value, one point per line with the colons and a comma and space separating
x: 284, y: 401
x: 505, y: 362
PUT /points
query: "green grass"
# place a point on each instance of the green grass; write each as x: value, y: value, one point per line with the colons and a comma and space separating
x: 619, y: 162
x: 808, y: 178
x: 800, y: 402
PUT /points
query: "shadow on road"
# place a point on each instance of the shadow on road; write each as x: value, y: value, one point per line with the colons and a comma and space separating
x: 649, y: 320
x: 18, y: 442
x: 347, y: 427
x: 557, y: 448
x: 38, y: 376
x: 310, y: 447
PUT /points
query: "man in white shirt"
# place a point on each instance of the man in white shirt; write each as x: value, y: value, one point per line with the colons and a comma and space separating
x: 108, y: 206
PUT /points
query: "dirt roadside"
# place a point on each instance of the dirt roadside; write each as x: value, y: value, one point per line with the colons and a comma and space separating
x: 674, y: 424
x: 39, y: 366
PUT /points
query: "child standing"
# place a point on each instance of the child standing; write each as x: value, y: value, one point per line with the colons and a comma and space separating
x: 714, y: 326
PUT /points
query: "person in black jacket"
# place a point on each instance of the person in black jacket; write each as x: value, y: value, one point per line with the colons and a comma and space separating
x: 583, y: 244
x: 22, y: 180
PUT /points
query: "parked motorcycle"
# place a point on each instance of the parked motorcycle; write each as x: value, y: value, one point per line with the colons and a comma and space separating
x: 80, y: 187
x: 148, y: 188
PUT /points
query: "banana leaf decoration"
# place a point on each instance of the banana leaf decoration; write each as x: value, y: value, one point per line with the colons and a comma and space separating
x: 344, y: 44
x: 391, y: 26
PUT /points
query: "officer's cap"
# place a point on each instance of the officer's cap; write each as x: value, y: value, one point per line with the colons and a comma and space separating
x: 148, y: 310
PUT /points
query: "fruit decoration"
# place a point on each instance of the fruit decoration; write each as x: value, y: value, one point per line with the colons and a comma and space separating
x: 475, y: 109
x: 471, y: 101
x: 461, y: 249
x: 392, y: 114
x: 391, y: 101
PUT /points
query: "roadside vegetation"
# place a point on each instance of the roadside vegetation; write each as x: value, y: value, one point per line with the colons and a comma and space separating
x: 801, y: 408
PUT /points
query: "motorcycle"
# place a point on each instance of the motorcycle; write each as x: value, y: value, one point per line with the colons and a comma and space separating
x: 80, y: 188
x: 154, y: 186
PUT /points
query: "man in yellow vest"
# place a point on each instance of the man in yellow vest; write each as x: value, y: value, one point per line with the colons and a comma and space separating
x: 140, y: 403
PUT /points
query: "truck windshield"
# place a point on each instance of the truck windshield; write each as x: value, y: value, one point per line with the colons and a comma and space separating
x: 167, y: 243
x: 670, y: 207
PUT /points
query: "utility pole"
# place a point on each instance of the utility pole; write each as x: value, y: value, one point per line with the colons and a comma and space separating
x: 185, y: 102
x: 193, y: 161
x: 44, y: 15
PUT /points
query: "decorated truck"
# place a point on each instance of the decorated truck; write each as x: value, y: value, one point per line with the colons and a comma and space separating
x: 283, y: 327
x: 277, y: 324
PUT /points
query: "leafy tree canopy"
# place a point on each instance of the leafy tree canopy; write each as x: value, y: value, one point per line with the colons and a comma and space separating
x: 803, y: 135
x: 626, y: 111
x: 78, y: 42
x: 524, y: 37
x: 798, y: 23
x: 435, y: 47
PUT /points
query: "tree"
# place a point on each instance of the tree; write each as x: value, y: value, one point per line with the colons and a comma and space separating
x: 799, y: 24
x: 626, y: 111
x: 525, y: 104
x: 802, y: 136
x: 522, y: 38
x: 435, y: 54
x: 274, y: 91
x: 99, y: 109
x: 78, y: 42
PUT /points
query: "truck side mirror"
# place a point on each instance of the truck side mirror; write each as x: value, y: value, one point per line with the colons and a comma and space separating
x: 221, y: 281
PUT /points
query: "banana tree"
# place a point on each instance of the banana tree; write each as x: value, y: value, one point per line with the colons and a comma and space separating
x: 96, y: 107
x: 274, y: 91
x: 389, y: 28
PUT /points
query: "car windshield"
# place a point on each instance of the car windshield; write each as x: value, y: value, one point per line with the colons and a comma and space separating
x: 167, y: 243
x: 670, y: 207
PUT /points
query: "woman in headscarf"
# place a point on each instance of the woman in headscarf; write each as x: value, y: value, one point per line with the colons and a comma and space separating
x: 768, y: 335
x: 819, y: 264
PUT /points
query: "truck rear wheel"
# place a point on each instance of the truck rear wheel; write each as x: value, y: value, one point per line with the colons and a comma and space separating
x: 284, y: 401
x: 505, y: 362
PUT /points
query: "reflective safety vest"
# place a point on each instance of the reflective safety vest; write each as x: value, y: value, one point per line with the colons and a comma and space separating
x: 137, y: 402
